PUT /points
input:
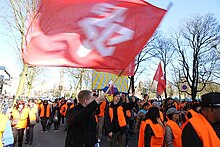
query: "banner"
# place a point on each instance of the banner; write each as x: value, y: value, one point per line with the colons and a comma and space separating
x: 101, y: 79
x: 97, y: 34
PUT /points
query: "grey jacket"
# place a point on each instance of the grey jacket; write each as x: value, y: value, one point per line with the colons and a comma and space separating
x: 169, y: 136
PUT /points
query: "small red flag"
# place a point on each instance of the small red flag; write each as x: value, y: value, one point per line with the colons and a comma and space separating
x: 99, y: 34
x: 159, y: 77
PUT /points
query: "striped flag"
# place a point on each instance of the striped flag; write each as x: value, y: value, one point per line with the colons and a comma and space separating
x: 101, y: 79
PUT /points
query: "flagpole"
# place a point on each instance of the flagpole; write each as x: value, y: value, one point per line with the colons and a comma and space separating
x: 114, y: 82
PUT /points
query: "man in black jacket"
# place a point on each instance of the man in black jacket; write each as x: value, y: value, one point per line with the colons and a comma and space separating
x: 82, y: 124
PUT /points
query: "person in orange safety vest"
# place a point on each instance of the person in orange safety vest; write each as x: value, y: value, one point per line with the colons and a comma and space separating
x: 69, y: 105
x: 115, y: 120
x: 173, y: 131
x: 44, y: 113
x: 204, y: 129
x: 151, y: 132
x: 63, y: 107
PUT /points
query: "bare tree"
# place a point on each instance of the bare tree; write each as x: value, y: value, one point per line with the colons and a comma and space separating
x: 163, y: 50
x: 80, y: 77
x: 22, y: 13
x: 194, y: 43
x: 142, y: 57
x: 31, y: 77
x: 212, y: 87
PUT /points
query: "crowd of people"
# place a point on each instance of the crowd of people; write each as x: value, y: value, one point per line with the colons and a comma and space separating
x: 91, y: 117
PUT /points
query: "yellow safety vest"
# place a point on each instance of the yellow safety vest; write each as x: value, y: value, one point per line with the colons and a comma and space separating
x: 3, y: 123
x: 33, y: 114
x: 21, y: 118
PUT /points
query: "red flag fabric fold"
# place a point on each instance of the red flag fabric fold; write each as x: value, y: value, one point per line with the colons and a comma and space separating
x: 159, y: 77
x: 97, y: 34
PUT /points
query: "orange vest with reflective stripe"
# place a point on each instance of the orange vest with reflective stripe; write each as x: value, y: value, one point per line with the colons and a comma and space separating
x: 102, y: 109
x: 205, y: 131
x: 157, y: 139
x: 42, y: 111
x: 20, y: 117
x: 177, y: 133
x: 3, y: 119
x: 121, y: 117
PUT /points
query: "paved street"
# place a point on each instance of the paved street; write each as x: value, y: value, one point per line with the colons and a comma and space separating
x: 57, y: 138
x: 49, y: 139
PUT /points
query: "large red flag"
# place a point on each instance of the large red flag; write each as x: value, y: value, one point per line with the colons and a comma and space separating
x: 98, y: 34
x: 159, y: 77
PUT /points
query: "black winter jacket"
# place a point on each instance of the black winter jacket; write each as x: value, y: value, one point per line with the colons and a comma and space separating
x: 114, y: 125
x: 82, y: 126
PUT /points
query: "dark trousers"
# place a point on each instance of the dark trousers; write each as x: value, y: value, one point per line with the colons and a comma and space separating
x: 59, y: 118
x: 29, y: 134
x: 62, y: 119
x: 18, y: 136
x: 56, y: 125
x: 99, y: 127
x: 118, y: 139
x: 44, y: 123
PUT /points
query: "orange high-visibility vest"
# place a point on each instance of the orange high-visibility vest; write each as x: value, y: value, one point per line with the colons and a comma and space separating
x: 177, y: 132
x: 161, y: 116
x: 157, y: 140
x: 3, y: 124
x: 193, y: 113
x: 102, y: 109
x: 128, y: 113
x: 42, y: 111
x: 66, y: 108
x: 205, y: 131
x: 63, y: 109
x: 185, y: 123
x: 121, y: 117
x: 20, y: 117
x: 58, y: 103
x: 177, y: 106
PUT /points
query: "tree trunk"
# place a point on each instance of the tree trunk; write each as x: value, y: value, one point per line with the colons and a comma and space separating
x: 22, y: 82
x: 193, y: 91
x: 132, y: 84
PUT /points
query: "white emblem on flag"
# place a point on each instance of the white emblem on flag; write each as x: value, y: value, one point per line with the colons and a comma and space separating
x: 105, y: 31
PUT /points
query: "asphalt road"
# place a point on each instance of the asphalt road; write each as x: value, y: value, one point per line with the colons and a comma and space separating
x: 57, y: 138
